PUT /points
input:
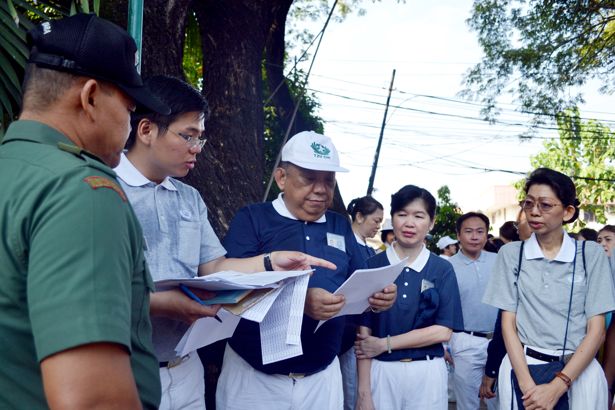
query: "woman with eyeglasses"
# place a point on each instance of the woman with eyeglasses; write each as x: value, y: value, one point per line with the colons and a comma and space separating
x: 400, y: 358
x: 542, y: 311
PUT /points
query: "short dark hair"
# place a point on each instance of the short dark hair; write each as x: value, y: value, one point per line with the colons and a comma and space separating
x: 560, y: 183
x: 410, y: 193
x: 469, y: 215
x: 509, y: 231
x: 608, y: 228
x: 589, y: 234
x: 43, y: 86
x: 181, y: 98
x: 384, y: 234
x: 494, y: 245
x: 366, y: 205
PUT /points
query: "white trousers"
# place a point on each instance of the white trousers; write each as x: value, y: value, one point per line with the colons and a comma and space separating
x: 417, y: 385
x: 242, y: 387
x: 470, y: 355
x: 588, y: 391
x: 183, y: 386
x: 348, y: 365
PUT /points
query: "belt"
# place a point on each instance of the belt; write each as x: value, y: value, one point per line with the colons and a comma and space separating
x: 297, y: 376
x: 415, y: 359
x: 487, y: 336
x: 173, y: 363
x: 546, y: 357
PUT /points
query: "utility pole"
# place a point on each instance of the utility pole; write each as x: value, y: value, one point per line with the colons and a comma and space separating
x: 370, y: 187
x: 135, y: 26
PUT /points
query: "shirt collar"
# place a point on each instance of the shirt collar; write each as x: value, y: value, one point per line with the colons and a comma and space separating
x: 566, y: 252
x: 280, y: 207
x: 465, y: 259
x: 360, y: 240
x: 418, y: 264
x: 133, y: 177
x: 35, y: 131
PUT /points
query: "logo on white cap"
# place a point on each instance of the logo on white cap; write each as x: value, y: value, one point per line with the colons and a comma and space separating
x: 320, y: 151
x: 314, y: 151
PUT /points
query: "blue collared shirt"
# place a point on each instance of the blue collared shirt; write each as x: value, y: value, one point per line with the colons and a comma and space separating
x: 268, y: 227
x: 428, y: 273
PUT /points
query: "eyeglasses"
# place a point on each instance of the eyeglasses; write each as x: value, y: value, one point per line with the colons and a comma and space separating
x: 191, y: 140
x: 543, y: 206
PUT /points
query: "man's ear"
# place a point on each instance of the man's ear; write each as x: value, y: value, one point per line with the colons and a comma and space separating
x: 88, y: 98
x: 146, y: 131
x: 280, y: 177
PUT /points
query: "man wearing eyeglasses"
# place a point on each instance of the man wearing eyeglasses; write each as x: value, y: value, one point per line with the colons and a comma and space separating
x: 179, y: 240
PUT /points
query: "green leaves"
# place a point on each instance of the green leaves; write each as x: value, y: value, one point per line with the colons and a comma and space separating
x: 17, y: 17
x: 585, y: 151
x: 447, y: 213
x: 13, y: 57
x: 538, y: 49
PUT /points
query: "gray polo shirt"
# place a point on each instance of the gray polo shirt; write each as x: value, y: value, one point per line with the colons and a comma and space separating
x: 544, y: 291
x: 178, y: 238
x: 472, y: 278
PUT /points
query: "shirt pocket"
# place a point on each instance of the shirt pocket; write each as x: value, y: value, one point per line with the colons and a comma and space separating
x: 189, y: 247
x: 579, y: 291
x: 329, y: 280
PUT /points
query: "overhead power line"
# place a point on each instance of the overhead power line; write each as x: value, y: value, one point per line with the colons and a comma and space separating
x: 298, y: 103
x: 450, y: 115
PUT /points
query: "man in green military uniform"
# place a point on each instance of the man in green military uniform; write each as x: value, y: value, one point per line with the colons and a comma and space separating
x: 74, y: 300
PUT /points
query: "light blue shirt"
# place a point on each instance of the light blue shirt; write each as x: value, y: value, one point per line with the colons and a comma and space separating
x: 178, y: 238
x: 472, y: 278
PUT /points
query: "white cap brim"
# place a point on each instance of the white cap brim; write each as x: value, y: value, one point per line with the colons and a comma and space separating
x: 319, y: 167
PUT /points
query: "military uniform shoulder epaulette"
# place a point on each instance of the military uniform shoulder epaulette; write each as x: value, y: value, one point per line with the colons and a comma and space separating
x: 73, y: 149
x: 91, y: 159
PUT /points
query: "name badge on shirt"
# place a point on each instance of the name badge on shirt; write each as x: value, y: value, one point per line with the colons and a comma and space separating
x: 425, y: 284
x: 337, y: 241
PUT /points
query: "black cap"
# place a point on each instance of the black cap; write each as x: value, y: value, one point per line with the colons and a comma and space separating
x: 87, y: 45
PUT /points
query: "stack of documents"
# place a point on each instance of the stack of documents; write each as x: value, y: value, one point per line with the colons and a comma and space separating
x: 280, y: 322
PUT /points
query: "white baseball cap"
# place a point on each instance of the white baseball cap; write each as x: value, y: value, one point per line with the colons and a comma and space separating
x: 445, y: 241
x: 387, y: 225
x: 311, y: 150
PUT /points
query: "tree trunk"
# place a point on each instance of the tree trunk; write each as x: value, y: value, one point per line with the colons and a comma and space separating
x: 282, y: 98
x: 164, y: 23
x: 230, y: 172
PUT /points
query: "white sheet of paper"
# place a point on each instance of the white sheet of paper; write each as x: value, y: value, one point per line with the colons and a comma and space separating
x: 281, y: 325
x: 228, y: 280
x: 206, y: 331
x: 257, y: 312
x: 362, y: 284
x: 295, y: 317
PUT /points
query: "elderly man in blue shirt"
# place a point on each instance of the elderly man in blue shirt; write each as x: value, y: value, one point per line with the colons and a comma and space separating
x: 473, y: 267
x: 298, y: 219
